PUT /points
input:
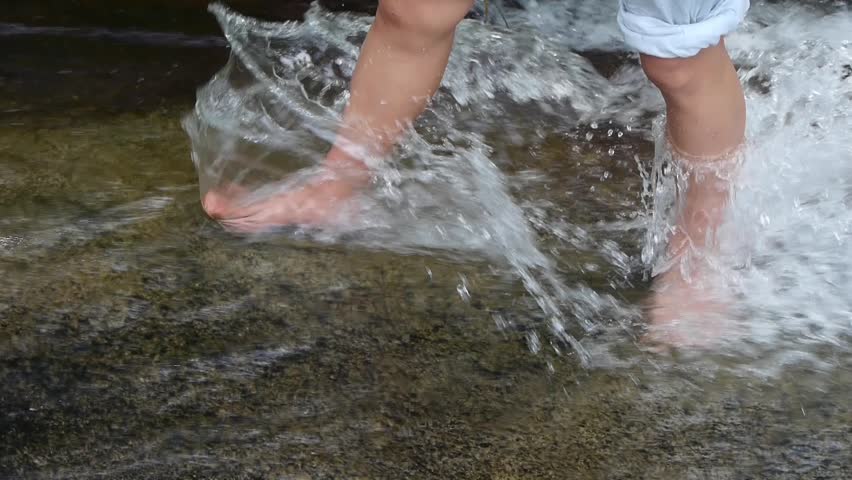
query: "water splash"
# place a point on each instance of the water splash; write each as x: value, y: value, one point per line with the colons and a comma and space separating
x: 785, y: 248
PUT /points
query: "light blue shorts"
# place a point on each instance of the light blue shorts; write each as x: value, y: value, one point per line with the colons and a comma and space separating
x: 678, y: 28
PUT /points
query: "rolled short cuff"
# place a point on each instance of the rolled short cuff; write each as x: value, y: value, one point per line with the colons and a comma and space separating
x: 660, y: 38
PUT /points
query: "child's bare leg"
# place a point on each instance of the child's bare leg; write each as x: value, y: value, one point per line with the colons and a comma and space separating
x: 706, y: 124
x: 400, y: 67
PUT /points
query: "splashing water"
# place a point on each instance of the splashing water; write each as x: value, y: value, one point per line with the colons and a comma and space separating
x: 785, y: 248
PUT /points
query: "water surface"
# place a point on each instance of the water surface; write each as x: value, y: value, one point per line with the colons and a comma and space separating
x: 140, y: 340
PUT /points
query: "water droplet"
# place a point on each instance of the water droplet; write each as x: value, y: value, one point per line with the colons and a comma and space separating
x: 302, y: 59
x: 609, y: 132
x: 594, y: 125
x: 464, y: 293
x: 501, y: 322
x: 533, y: 342
x: 611, y: 151
x: 589, y: 136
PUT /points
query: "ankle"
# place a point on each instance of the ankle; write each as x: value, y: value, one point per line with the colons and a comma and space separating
x: 723, y: 160
x: 344, y: 166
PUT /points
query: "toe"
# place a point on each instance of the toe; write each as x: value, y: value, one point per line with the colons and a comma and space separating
x: 215, y: 205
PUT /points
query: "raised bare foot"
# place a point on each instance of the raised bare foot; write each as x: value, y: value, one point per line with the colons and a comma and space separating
x: 321, y: 201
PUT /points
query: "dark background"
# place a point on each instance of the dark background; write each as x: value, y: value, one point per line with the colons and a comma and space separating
x: 102, y: 58
x: 187, y: 16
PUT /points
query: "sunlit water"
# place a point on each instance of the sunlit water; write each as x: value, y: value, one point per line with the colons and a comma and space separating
x: 785, y: 250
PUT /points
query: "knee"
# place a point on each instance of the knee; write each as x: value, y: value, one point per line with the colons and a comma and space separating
x: 427, y: 19
x: 673, y: 76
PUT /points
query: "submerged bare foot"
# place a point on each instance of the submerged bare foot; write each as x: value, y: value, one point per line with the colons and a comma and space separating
x: 689, y: 313
x: 689, y: 307
x: 320, y: 202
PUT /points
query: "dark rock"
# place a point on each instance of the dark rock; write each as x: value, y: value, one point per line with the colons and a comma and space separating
x: 187, y: 16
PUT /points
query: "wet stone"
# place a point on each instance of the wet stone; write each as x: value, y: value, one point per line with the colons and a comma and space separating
x: 139, y: 340
x: 203, y: 355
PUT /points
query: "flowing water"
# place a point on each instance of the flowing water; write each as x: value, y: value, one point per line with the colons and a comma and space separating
x: 479, y: 318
